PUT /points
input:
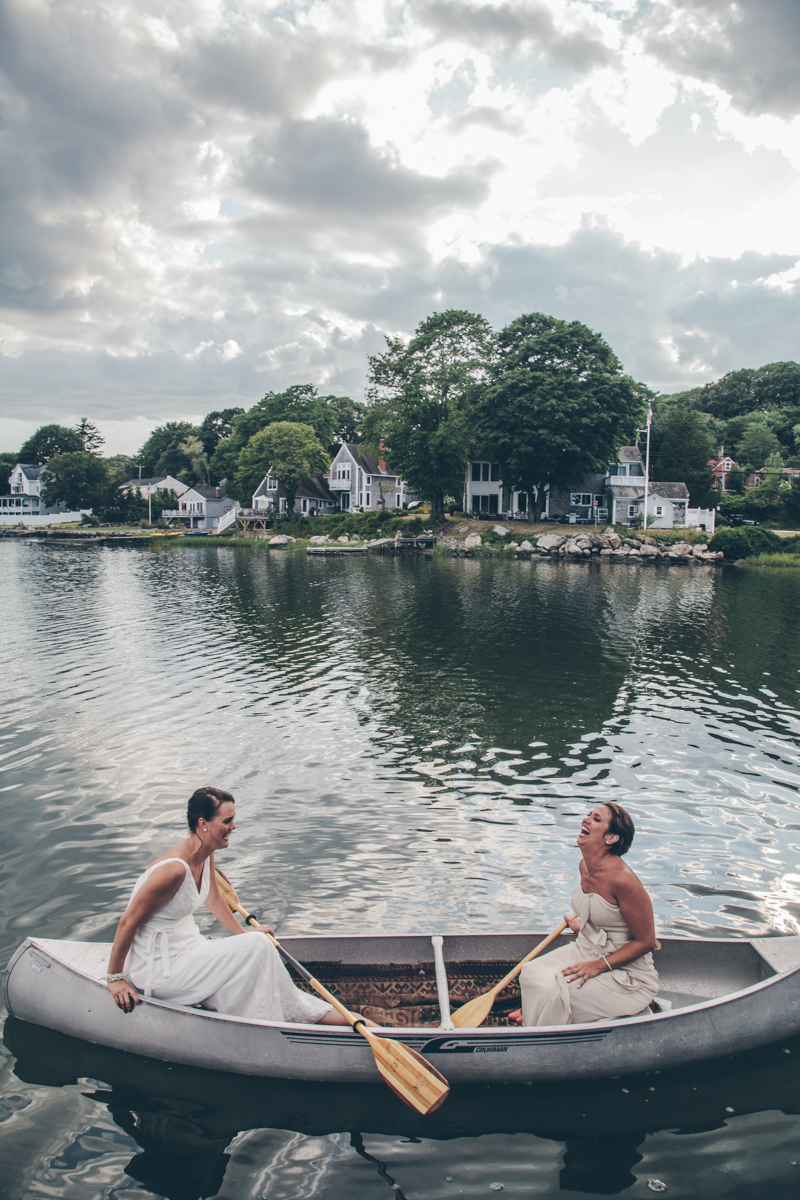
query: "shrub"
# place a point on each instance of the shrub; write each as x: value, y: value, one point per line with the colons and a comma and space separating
x: 745, y: 540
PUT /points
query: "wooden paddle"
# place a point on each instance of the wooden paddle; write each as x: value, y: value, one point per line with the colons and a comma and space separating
x: 415, y: 1081
x: 474, y: 1012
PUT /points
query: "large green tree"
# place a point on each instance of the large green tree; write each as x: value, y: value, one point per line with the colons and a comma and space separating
x: 757, y: 443
x: 291, y: 450
x: 420, y: 400
x: 216, y: 426
x: 48, y: 441
x: 558, y: 405
x: 161, y: 453
x: 333, y: 418
x: 77, y: 479
x: 684, y: 455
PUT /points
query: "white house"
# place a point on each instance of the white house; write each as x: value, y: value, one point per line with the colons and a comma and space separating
x: 23, y: 503
x: 617, y: 496
x: 360, y: 480
x: 201, y: 506
x: 156, y: 483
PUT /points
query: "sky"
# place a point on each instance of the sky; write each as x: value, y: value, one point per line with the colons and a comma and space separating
x: 205, y: 200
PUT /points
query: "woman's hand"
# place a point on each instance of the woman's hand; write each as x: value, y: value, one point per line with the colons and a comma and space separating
x: 574, y: 923
x: 262, y: 928
x: 125, y: 997
x: 584, y: 970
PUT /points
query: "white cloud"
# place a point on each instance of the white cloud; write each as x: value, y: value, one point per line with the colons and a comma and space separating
x: 204, y: 200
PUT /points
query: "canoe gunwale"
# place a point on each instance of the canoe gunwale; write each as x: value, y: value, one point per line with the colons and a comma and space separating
x: 400, y: 1032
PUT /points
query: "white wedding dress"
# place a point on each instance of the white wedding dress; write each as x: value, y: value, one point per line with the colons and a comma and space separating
x: 241, y: 975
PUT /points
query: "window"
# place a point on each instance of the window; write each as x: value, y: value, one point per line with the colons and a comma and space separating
x: 397, y: 500
x: 304, y: 505
x: 272, y: 484
x: 598, y: 499
x: 484, y: 504
x: 581, y: 499
x: 343, y: 472
x: 635, y: 469
x: 476, y: 472
x: 659, y: 511
x: 368, y: 481
x: 632, y: 510
x: 367, y: 499
x: 620, y: 469
x: 360, y: 499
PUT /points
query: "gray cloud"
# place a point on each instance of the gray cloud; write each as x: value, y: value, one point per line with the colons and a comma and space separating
x: 329, y: 167
x: 512, y: 27
x: 750, y: 49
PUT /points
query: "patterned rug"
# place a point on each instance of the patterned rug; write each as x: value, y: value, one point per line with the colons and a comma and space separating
x: 402, y: 995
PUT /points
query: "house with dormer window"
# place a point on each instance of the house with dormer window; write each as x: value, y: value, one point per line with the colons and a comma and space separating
x: 361, y: 481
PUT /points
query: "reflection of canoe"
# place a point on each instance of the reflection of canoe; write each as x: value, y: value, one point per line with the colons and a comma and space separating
x: 727, y: 996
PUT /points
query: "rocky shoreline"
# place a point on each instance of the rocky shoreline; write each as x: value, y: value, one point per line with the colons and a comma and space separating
x: 608, y: 546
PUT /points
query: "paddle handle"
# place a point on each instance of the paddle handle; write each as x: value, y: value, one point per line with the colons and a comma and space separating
x: 551, y: 937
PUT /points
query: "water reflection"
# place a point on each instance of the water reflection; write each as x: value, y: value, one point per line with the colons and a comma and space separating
x: 187, y: 1128
x: 411, y: 743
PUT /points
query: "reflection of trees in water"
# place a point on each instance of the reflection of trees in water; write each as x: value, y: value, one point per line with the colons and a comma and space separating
x: 601, y: 1166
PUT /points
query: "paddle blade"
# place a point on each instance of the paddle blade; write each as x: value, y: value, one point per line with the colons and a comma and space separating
x: 415, y: 1081
x: 472, y: 1014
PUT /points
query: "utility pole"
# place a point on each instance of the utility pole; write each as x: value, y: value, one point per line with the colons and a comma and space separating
x: 647, y: 468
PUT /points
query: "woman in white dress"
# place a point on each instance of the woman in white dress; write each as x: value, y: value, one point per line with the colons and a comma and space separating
x: 608, y: 972
x: 159, y: 951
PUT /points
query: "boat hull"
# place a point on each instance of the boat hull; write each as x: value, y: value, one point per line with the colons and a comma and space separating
x: 759, y: 1003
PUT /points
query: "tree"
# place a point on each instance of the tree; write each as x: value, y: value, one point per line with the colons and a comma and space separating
x: 193, y: 449
x: 684, y: 454
x: 91, y: 437
x: 121, y: 468
x: 161, y: 453
x: 557, y: 407
x: 7, y: 463
x: 216, y: 426
x: 766, y: 500
x: 76, y: 479
x: 757, y: 444
x: 420, y: 400
x: 290, y: 450
x: 48, y: 441
x: 349, y: 418
x: 300, y: 404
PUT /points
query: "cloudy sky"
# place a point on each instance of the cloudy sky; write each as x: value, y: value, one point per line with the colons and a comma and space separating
x: 207, y: 199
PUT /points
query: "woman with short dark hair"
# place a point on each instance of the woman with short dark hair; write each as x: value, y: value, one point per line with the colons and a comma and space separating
x: 608, y: 972
x: 159, y: 951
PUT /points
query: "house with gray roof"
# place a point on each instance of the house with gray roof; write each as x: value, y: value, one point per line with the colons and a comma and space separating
x: 312, y: 498
x: 23, y: 504
x: 361, y: 481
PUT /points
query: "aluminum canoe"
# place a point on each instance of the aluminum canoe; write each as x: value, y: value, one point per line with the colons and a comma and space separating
x: 727, y: 996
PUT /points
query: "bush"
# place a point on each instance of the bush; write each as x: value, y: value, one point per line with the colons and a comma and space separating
x: 746, y: 540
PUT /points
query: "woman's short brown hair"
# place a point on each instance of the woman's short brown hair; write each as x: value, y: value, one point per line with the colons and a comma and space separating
x: 622, y: 825
x: 204, y: 803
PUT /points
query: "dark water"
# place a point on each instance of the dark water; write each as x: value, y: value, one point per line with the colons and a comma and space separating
x: 412, y: 744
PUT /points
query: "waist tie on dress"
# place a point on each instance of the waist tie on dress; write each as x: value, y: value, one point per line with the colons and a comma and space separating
x: 151, y: 954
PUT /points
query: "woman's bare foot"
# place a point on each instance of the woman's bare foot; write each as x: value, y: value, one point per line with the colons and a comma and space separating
x: 515, y: 1017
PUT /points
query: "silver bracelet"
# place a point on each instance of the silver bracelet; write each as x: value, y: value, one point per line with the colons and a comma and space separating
x: 114, y: 978
x: 605, y: 960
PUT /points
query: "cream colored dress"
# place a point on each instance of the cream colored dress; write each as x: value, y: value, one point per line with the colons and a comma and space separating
x: 547, y: 998
x: 241, y: 975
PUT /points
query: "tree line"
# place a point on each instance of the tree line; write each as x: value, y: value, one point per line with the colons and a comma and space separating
x: 545, y: 399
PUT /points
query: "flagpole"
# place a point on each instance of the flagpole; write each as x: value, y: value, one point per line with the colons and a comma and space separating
x: 647, y: 464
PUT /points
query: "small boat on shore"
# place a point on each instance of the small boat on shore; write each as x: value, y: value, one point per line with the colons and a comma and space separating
x: 718, y: 997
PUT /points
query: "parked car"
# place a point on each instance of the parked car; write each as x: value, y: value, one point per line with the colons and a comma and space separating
x: 739, y: 519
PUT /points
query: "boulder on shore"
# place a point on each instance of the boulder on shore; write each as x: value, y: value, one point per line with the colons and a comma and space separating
x: 526, y: 545
x: 500, y: 530
x: 550, y: 541
x: 472, y: 541
x: 280, y: 539
x: 318, y: 539
x: 343, y: 538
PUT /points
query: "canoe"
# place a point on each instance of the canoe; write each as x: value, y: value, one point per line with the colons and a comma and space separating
x: 718, y: 997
